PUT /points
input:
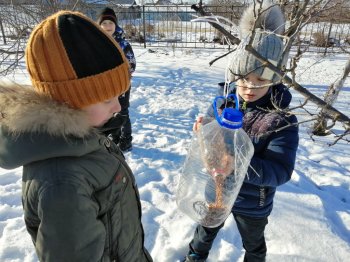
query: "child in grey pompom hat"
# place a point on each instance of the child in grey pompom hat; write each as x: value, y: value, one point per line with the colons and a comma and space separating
x: 267, y: 42
x: 273, y: 133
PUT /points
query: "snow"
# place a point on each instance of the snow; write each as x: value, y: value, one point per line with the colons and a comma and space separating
x: 311, y: 216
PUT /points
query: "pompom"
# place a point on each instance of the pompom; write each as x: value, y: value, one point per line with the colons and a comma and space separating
x: 271, y: 19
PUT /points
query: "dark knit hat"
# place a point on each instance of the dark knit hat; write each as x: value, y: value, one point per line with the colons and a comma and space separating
x: 72, y: 60
x: 107, y: 14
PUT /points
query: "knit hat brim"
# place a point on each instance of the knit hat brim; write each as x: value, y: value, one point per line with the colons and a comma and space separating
x: 107, y: 17
x: 86, y: 91
x: 107, y: 14
x: 269, y: 46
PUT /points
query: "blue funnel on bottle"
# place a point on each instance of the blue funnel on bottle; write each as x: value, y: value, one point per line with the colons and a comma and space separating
x: 230, y: 118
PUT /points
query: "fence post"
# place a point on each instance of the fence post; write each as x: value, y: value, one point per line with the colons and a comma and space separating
x: 2, y: 31
x: 328, y: 36
x: 144, y: 26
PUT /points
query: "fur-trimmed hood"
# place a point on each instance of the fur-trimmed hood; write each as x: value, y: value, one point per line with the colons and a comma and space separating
x: 34, y: 127
x: 24, y: 110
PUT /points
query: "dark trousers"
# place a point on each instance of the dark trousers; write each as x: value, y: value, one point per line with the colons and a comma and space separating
x: 250, y: 229
x: 119, y: 127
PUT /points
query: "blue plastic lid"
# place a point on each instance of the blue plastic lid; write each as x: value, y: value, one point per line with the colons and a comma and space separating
x: 230, y: 118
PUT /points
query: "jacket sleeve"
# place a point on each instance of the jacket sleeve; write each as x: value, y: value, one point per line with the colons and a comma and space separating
x: 69, y: 229
x: 129, y: 53
x: 275, y: 165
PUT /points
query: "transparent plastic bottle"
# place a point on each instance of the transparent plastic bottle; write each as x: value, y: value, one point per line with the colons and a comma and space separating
x: 215, y: 167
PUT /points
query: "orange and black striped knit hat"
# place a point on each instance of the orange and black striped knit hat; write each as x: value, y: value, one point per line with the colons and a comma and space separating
x: 70, y: 59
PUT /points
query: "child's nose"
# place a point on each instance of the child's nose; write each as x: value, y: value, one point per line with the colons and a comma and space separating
x: 116, y: 107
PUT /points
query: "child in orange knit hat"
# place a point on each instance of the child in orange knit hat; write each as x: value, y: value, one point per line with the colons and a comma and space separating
x: 79, y: 197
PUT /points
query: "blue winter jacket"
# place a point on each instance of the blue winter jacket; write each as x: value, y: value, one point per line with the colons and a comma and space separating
x: 125, y: 45
x: 275, y: 150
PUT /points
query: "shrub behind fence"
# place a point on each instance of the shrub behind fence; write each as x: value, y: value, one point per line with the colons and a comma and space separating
x: 170, y: 25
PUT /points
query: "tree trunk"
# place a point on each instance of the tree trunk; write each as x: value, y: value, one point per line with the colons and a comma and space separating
x: 320, y: 126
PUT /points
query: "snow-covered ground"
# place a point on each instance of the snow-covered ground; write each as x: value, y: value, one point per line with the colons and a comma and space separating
x: 311, y: 216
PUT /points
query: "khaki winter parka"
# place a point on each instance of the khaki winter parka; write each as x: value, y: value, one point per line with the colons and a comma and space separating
x: 79, y: 196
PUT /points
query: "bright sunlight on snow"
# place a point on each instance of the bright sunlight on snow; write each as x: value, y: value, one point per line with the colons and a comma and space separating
x: 311, y: 216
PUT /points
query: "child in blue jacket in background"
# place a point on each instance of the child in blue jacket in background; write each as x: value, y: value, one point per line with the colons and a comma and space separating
x: 274, y: 135
x: 119, y: 127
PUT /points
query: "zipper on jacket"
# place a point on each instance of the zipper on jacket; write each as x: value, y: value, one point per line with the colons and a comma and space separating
x: 107, y: 144
x: 109, y: 222
x: 133, y: 183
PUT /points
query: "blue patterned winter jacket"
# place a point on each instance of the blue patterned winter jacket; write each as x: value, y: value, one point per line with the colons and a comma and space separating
x: 275, y: 150
x: 119, y: 36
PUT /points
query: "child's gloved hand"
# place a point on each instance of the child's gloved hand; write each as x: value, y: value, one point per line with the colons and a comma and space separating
x: 197, y: 124
x: 201, y: 120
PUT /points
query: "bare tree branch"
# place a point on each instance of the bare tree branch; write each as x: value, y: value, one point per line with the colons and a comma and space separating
x: 302, y: 12
x: 200, y: 10
x: 329, y: 111
x: 320, y: 126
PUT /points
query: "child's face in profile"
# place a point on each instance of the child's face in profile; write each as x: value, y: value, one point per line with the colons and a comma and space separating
x: 108, y: 26
x: 252, y: 87
x: 100, y: 113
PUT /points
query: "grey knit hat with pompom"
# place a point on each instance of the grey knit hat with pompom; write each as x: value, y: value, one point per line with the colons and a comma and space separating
x: 266, y: 42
